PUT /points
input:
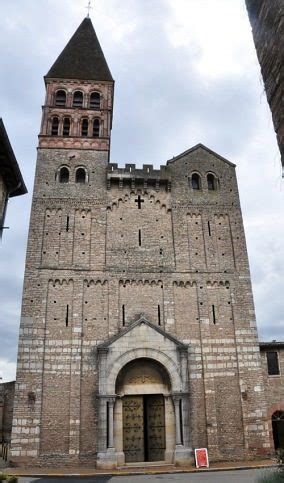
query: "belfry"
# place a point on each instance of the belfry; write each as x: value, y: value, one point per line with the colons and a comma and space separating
x: 138, y: 340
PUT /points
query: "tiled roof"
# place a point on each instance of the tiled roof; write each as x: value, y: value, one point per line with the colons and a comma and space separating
x: 82, y: 57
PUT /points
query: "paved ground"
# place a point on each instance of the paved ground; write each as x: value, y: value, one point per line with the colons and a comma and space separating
x: 243, y: 476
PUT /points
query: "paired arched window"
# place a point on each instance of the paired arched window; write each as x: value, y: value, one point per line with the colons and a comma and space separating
x: 81, y: 175
x: 195, y: 181
x: 63, y: 175
x: 96, y: 128
x: 60, y: 98
x: 95, y: 100
x: 211, y: 182
x: 78, y: 99
x: 66, y: 126
x: 84, y: 127
x: 54, y: 126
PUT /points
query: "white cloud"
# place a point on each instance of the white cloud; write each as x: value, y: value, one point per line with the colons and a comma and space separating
x: 7, y: 370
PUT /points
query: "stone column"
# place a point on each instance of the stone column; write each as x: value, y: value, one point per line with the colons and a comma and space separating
x: 183, y: 454
x: 111, y: 402
x: 106, y: 457
x: 176, y: 400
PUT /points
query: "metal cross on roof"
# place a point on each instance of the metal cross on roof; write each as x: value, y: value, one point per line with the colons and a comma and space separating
x: 89, y: 7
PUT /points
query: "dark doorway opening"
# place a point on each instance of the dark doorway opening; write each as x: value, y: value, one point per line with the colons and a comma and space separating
x: 144, y: 428
x: 278, y: 429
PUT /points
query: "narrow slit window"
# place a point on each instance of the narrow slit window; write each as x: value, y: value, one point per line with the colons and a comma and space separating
x: 159, y: 315
x: 55, y: 126
x: 66, y: 126
x: 213, y: 314
x: 85, y: 127
x: 67, y: 316
x: 60, y: 98
x: 95, y: 100
x: 67, y: 223
x: 123, y: 315
x: 96, y: 128
x: 139, y: 238
x: 78, y: 99
x: 209, y: 228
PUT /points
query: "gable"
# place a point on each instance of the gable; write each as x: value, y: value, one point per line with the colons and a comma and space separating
x: 201, y: 147
x: 142, y: 332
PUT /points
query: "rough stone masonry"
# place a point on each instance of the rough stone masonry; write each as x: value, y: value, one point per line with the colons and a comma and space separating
x: 267, y: 21
x: 137, y: 296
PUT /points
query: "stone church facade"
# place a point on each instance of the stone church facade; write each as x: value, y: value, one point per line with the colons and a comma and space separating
x: 138, y: 339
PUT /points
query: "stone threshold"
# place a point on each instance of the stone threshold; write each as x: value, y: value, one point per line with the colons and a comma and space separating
x: 145, y: 464
x: 141, y: 470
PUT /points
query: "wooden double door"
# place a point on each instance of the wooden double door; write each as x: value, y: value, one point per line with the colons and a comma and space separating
x: 144, y: 428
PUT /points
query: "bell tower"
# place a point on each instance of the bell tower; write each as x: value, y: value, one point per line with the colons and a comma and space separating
x: 66, y: 239
x: 79, y: 96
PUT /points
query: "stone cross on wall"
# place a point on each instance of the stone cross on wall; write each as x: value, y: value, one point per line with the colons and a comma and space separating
x: 139, y: 202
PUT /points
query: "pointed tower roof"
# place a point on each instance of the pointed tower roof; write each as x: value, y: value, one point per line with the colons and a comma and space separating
x: 82, y: 57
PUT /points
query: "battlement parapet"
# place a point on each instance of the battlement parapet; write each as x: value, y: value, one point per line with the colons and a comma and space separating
x: 130, y: 175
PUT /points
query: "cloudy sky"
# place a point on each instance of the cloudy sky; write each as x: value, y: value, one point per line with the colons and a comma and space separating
x: 186, y: 72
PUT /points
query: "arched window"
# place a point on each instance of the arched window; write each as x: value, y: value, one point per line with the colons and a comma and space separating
x: 84, y: 127
x: 60, y: 98
x: 81, y: 175
x: 63, y: 176
x: 195, y: 181
x: 95, y: 100
x: 211, y: 182
x: 78, y: 99
x: 54, y: 126
x: 96, y: 128
x: 66, y: 126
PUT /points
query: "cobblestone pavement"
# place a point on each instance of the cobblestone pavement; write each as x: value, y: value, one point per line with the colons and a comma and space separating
x: 243, y: 476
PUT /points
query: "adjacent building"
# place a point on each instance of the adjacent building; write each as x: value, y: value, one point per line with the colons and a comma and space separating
x: 138, y: 340
x: 11, y: 180
x: 266, y: 17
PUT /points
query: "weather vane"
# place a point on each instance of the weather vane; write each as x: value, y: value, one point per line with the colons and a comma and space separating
x: 89, y: 7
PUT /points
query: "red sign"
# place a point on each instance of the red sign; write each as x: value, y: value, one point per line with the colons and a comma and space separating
x: 201, y: 458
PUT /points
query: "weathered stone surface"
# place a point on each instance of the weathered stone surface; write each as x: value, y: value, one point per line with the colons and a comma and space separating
x: 267, y: 21
x: 134, y: 265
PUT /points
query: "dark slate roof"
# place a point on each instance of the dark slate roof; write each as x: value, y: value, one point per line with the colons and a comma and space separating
x: 274, y: 344
x: 9, y: 168
x: 82, y: 57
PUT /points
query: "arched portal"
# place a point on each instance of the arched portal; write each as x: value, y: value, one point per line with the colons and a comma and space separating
x: 278, y: 429
x: 144, y: 420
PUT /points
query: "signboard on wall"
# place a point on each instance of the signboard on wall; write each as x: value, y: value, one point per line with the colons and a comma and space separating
x: 201, y: 458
